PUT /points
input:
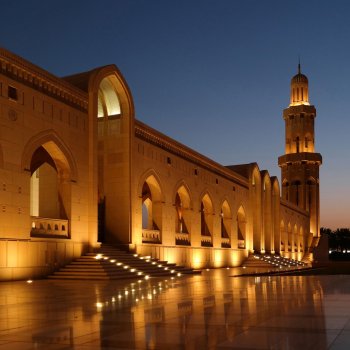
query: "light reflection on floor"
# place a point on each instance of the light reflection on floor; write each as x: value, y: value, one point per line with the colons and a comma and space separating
x: 209, y: 311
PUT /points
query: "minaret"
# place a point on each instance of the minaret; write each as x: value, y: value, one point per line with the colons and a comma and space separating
x: 300, y: 164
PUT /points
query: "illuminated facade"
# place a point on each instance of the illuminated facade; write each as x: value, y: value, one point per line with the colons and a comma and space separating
x: 77, y: 168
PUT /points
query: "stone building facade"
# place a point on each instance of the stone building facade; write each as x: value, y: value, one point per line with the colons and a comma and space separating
x: 77, y: 169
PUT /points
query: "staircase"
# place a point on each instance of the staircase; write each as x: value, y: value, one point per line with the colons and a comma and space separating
x: 271, y: 261
x: 111, y: 263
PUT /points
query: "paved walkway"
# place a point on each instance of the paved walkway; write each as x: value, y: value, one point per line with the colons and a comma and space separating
x: 209, y: 311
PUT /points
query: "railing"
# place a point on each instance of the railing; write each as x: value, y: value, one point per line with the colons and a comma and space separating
x: 206, y: 241
x: 49, y: 227
x: 182, y: 238
x: 241, y: 244
x: 225, y: 242
x: 150, y: 236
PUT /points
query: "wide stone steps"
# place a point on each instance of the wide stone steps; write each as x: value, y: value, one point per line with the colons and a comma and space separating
x: 108, y: 263
x: 271, y: 261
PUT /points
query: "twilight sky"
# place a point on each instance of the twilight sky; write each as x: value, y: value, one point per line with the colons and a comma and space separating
x: 212, y: 74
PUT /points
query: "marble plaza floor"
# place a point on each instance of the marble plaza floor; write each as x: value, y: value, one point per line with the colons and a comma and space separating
x: 209, y: 311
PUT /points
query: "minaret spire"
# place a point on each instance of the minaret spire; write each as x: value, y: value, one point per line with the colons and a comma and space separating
x: 299, y: 70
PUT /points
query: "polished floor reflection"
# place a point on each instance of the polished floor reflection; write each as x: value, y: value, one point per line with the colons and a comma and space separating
x: 209, y: 311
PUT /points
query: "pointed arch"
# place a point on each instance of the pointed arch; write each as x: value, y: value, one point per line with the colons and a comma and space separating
x: 226, y: 224
x: 152, y: 202
x: 267, y: 225
x: 182, y: 185
x: 255, y: 189
x: 283, y: 242
x: 241, y: 227
x: 183, y: 214
x: 207, y: 219
x: 56, y: 148
x: 110, y: 91
x: 154, y: 179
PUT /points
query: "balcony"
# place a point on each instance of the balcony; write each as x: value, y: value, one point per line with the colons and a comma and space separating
x: 225, y: 242
x: 151, y: 236
x: 206, y: 241
x: 182, y: 239
x: 47, y: 227
x: 241, y: 244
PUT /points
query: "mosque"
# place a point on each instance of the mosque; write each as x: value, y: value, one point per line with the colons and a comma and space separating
x: 78, y: 169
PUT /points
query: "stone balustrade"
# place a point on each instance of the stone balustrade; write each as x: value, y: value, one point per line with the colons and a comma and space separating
x: 241, y: 244
x: 49, y: 227
x: 150, y: 236
x: 206, y: 241
x: 225, y: 242
x: 182, y: 238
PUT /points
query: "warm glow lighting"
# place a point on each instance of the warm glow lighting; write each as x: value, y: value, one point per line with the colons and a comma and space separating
x: 172, y: 271
x: 135, y: 255
x: 132, y: 270
x: 179, y: 274
x: 113, y: 261
x: 119, y: 263
x: 139, y: 273
x: 146, y: 277
x: 98, y: 256
x: 29, y: 281
x: 159, y: 265
x: 165, y: 268
x: 99, y: 305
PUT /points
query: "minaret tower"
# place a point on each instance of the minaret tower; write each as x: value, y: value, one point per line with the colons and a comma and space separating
x: 300, y: 164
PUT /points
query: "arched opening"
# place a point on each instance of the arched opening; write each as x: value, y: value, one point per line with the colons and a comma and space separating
x: 151, y: 211
x: 108, y: 101
x: 50, y: 192
x: 289, y: 237
x: 283, y: 247
x: 297, y: 192
x: 285, y: 190
x: 301, y: 240
x: 225, y: 225
x: 308, y: 143
x: 297, y: 144
x: 276, y: 216
x: 258, y: 238
x: 207, y: 221
x: 182, y: 216
x: 310, y: 193
x: 241, y: 227
x: 295, y: 239
x: 267, y: 213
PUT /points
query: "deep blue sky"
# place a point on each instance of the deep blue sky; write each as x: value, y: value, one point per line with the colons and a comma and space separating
x: 214, y: 75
